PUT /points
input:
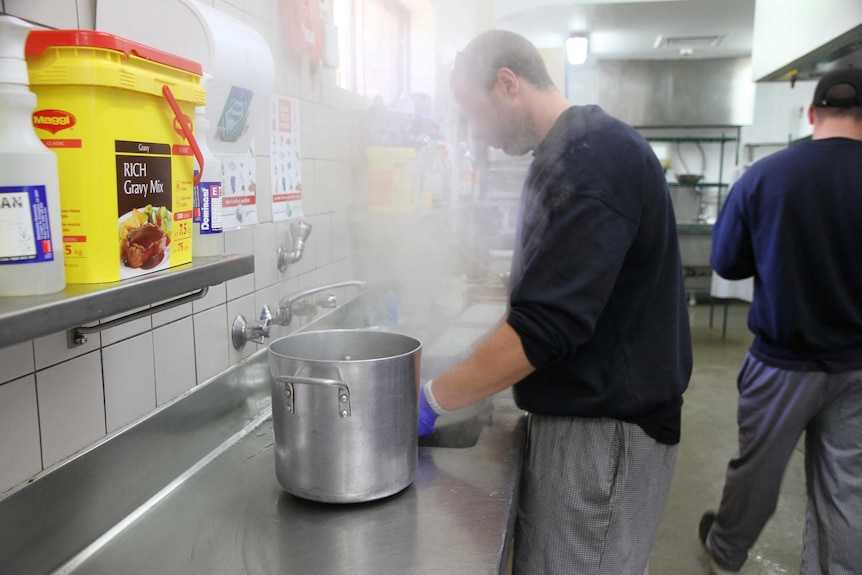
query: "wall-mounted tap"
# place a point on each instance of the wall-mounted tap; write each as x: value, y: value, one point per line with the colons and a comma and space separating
x: 298, y: 303
x: 299, y: 232
x: 242, y: 331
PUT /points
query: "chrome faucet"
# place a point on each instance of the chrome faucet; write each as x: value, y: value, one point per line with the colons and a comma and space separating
x: 298, y: 303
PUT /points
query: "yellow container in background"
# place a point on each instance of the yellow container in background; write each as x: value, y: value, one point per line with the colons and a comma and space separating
x: 393, y: 179
x: 125, y: 150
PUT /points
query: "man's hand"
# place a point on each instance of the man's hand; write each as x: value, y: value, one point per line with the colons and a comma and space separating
x: 428, y: 410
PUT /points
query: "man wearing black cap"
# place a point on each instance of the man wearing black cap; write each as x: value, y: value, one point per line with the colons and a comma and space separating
x: 793, y: 221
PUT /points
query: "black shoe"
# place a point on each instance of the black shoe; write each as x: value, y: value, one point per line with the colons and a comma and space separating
x: 703, y: 528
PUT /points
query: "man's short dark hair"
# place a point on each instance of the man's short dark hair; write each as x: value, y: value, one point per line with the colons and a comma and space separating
x: 483, y: 57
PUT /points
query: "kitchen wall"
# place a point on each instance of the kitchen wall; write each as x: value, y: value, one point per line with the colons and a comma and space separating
x: 55, y: 401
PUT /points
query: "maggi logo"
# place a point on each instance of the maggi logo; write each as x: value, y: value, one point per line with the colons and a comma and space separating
x: 53, y: 120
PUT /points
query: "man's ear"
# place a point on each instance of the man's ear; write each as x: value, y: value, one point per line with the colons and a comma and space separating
x: 811, y: 114
x: 508, y: 81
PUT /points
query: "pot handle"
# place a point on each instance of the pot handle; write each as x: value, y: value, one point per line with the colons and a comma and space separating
x: 343, y: 391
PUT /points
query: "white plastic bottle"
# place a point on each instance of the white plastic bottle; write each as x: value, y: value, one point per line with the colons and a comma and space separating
x: 31, y: 240
x: 207, y: 237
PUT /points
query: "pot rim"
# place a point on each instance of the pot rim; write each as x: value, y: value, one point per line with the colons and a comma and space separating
x: 377, y: 332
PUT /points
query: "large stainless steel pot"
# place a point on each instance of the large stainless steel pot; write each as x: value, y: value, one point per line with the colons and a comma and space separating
x: 344, y: 412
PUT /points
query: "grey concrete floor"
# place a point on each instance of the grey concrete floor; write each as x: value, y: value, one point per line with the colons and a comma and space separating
x: 709, y: 440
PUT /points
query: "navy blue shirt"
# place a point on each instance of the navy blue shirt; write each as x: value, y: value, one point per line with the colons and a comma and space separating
x: 794, y: 222
x: 597, y: 292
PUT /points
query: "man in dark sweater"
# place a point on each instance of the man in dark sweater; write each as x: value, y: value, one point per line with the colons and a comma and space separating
x: 596, y: 341
x: 794, y: 222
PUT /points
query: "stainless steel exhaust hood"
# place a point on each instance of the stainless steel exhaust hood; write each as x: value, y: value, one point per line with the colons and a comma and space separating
x: 845, y: 50
x: 678, y: 93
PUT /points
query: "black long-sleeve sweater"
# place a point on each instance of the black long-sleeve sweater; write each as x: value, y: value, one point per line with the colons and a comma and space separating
x: 597, y: 293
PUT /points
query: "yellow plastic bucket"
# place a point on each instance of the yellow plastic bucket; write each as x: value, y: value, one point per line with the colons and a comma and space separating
x: 118, y: 115
x: 393, y: 179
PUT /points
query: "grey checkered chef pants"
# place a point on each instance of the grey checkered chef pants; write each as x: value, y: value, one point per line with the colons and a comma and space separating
x: 592, y: 495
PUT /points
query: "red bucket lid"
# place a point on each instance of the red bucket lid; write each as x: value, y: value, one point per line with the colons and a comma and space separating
x: 40, y: 40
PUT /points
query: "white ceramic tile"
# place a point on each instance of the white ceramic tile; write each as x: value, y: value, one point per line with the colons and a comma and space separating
x: 173, y: 314
x: 266, y: 255
x: 243, y: 306
x: 16, y: 360
x: 326, y: 127
x: 130, y: 380
x: 211, y: 342
x: 341, y: 247
x: 86, y: 14
x: 174, y: 353
x: 53, y: 349
x: 53, y: 14
x: 309, y: 189
x: 308, y: 140
x: 20, y: 449
x: 126, y: 330
x: 323, y: 230
x: 71, y: 406
x: 264, y: 190
x: 215, y: 296
x: 326, y: 182
x: 240, y: 241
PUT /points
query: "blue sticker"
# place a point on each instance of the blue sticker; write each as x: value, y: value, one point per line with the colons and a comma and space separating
x: 25, y: 230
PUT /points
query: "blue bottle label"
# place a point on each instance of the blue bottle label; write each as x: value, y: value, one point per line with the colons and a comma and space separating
x: 207, y: 210
x: 25, y: 231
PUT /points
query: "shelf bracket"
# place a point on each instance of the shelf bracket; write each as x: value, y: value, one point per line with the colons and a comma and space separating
x: 78, y: 335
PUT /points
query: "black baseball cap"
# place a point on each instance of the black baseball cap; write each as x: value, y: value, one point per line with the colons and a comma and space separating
x: 851, y: 96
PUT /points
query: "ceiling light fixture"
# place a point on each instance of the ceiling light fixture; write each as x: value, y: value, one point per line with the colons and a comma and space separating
x: 576, y: 49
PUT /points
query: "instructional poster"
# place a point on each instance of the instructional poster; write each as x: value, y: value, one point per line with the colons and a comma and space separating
x: 239, y: 198
x: 284, y: 156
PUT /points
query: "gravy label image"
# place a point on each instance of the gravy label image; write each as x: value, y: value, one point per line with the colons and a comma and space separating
x: 144, y: 206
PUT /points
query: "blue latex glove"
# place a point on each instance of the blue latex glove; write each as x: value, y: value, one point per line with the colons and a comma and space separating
x: 427, y: 415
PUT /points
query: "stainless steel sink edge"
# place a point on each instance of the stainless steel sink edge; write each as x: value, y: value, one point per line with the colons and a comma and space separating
x: 46, y: 522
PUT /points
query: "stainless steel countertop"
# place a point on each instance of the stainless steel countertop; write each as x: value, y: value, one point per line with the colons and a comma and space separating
x: 191, y: 488
x: 231, y: 517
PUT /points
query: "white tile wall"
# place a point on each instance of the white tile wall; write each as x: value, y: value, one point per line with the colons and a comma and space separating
x: 53, y: 349
x: 130, y: 380
x: 264, y: 193
x: 52, y: 14
x: 174, y: 354
x: 309, y: 190
x: 266, y: 255
x: 173, y: 314
x: 17, y: 360
x: 54, y: 399
x: 211, y: 342
x: 124, y: 331
x: 19, y: 432
x: 215, y: 296
x: 240, y: 241
x: 71, y: 406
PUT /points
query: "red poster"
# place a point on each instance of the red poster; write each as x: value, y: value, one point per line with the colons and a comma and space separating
x: 300, y: 21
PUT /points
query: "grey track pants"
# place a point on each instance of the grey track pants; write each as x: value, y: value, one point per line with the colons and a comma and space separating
x: 775, y: 407
x: 592, y: 495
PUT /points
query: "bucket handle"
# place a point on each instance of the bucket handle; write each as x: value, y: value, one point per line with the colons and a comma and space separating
x: 343, y: 391
x: 187, y: 130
